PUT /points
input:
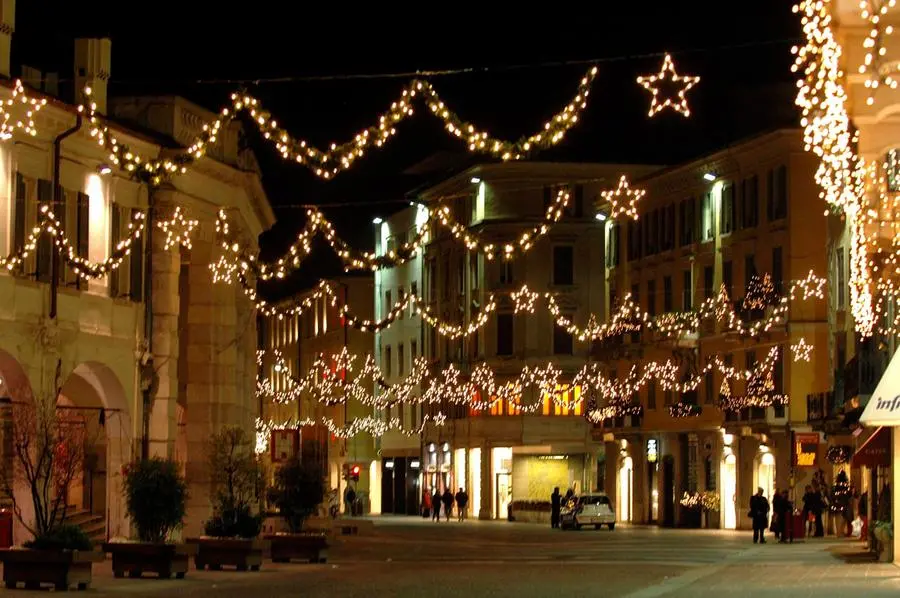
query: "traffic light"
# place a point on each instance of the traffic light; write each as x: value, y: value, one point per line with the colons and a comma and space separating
x: 354, y: 473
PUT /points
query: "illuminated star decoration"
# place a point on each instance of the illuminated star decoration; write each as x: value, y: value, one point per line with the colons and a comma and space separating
x: 667, y: 73
x: 617, y: 197
x: 801, y: 350
x: 524, y: 299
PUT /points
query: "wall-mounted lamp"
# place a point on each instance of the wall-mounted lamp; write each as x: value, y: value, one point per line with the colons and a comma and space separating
x: 104, y: 169
x: 600, y: 216
x: 710, y: 176
x: 475, y: 180
x: 377, y: 220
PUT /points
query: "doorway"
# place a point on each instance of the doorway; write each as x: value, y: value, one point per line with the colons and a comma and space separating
x: 728, y: 474
x: 765, y: 475
x: 626, y: 487
x: 668, y: 489
x: 504, y: 495
x: 653, y: 483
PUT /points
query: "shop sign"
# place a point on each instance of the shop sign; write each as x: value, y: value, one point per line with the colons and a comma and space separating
x: 652, y: 450
x: 806, y: 450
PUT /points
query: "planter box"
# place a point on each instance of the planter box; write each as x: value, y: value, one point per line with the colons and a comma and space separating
x: 215, y: 553
x: 60, y: 568
x: 312, y: 548
x: 532, y: 516
x: 135, y: 559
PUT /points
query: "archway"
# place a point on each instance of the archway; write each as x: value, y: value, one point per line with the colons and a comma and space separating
x: 626, y: 485
x: 96, y: 397
x: 728, y: 475
x: 764, y: 474
x: 15, y: 388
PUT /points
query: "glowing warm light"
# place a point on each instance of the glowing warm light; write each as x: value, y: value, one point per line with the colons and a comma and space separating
x: 667, y: 73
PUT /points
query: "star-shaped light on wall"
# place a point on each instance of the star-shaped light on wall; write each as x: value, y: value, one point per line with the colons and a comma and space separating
x: 668, y: 75
x: 623, y: 199
x: 524, y: 299
x: 801, y: 350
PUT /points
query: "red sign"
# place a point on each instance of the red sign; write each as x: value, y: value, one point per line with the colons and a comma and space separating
x: 806, y: 450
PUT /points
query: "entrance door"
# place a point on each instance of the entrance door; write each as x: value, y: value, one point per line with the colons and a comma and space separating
x: 504, y: 494
x: 626, y: 486
x: 668, y: 491
x: 654, y: 492
x: 728, y: 475
x: 765, y: 475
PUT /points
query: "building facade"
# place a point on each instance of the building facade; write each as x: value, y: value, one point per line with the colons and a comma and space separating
x: 397, y: 348
x: 154, y: 350
x: 293, y: 346
x: 519, y: 448
x: 716, y: 223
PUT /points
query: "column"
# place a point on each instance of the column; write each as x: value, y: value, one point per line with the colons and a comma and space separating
x: 210, y: 339
x: 486, y: 510
x: 640, y: 499
x: 165, y: 309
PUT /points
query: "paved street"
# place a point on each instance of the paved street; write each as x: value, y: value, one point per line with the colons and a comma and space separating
x: 415, y: 558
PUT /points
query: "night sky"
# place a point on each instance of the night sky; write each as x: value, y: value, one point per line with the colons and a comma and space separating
x: 525, y: 65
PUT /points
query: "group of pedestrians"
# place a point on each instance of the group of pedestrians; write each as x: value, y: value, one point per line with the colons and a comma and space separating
x: 434, y: 501
x: 782, y: 522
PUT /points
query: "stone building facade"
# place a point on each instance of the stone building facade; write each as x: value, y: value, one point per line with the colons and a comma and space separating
x: 158, y: 321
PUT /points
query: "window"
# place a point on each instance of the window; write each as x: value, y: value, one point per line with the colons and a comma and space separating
x: 634, y: 240
x: 578, y: 199
x: 19, y: 214
x: 651, y: 395
x: 563, y: 265
x: 473, y: 271
x: 728, y: 277
x: 749, y: 271
x: 400, y: 297
x: 651, y: 297
x: 388, y: 304
x: 750, y: 193
x: 840, y: 277
x: 686, y: 215
x: 612, y: 246
x: 461, y: 276
x: 504, y: 334
x: 778, y: 191
x: 44, y: 244
x: 432, y: 343
x: 706, y: 229
x: 446, y: 289
x: 669, y: 398
x: 669, y: 236
x: 707, y: 282
x: 667, y: 294
x: 777, y: 269
x: 506, y: 272
x: 126, y: 280
x: 413, y: 351
x: 400, y: 360
x: 387, y: 361
x: 726, y: 220
x: 431, y: 273
x: 562, y: 340
x: 636, y: 294
x: 687, y: 292
x: 650, y: 232
x: 709, y: 388
x: 414, y: 291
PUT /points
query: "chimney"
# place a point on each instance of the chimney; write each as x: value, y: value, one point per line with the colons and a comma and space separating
x: 92, y: 62
x: 7, y: 27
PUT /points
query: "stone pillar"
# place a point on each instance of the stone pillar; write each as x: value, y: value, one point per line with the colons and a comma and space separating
x: 640, y: 492
x: 210, y: 337
x: 164, y: 298
x: 486, y: 510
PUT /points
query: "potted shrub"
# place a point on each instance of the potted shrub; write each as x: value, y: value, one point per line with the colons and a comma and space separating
x: 47, y: 449
x: 231, y: 535
x: 155, y: 496
x: 298, y: 491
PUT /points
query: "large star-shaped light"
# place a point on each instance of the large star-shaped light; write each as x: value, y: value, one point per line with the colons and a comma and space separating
x: 623, y: 199
x: 652, y: 84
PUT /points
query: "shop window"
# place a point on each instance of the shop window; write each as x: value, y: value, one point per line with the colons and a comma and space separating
x: 563, y: 265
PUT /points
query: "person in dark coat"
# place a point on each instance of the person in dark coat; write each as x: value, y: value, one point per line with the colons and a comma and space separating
x: 436, y: 505
x: 785, y: 518
x: 447, y: 499
x: 462, y: 504
x: 777, y: 514
x: 554, y: 507
x: 759, y: 513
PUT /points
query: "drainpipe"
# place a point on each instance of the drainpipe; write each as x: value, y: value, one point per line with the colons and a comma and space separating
x: 57, y: 201
x: 150, y: 224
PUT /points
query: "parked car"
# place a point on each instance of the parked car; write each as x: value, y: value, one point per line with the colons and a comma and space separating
x: 588, y: 509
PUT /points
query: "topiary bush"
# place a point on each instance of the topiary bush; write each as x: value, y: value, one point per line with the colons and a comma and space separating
x: 238, y: 480
x: 298, y: 491
x: 62, y: 537
x: 234, y: 523
x: 156, y: 497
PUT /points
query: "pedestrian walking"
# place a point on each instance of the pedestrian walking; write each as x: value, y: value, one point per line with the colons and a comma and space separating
x: 777, y: 514
x: 349, y: 500
x: 787, y: 518
x: 436, y: 505
x: 462, y: 504
x: 759, y: 514
x: 554, y: 507
x: 447, y: 499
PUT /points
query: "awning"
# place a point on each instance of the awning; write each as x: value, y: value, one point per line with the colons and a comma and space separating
x: 876, y: 451
x: 883, y: 408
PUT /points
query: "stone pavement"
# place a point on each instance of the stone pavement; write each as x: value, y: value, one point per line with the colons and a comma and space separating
x: 417, y: 558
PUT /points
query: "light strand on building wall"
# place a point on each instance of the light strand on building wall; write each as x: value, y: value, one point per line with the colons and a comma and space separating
x: 623, y: 199
x: 801, y: 350
x: 828, y: 133
x: 652, y: 83
x: 337, y: 158
x: 364, y: 425
x: 879, y: 74
x: 684, y: 410
x: 10, y: 122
